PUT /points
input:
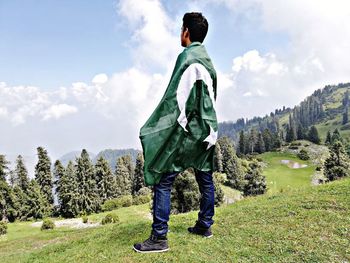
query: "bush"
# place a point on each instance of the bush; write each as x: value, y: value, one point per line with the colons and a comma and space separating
x: 295, y: 144
x: 185, y: 193
x: 85, y: 219
x: 47, y: 224
x: 220, y: 177
x: 144, y: 191
x: 219, y: 193
x: 3, y: 228
x: 303, y: 155
x: 122, y: 201
x: 141, y: 199
x: 110, y: 218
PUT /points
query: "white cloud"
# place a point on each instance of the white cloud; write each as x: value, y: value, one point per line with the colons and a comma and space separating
x: 100, y: 79
x: 317, y: 54
x: 59, y: 110
x: 154, y: 41
x: 3, y: 112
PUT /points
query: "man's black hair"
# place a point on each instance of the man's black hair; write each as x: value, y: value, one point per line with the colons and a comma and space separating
x: 197, y: 25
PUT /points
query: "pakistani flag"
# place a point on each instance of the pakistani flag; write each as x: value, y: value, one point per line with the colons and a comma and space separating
x: 182, y: 130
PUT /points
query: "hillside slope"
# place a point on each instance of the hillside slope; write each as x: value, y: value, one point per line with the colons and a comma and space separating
x: 309, y: 224
x: 324, y: 108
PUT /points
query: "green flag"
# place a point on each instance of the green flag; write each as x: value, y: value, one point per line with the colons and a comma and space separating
x: 182, y: 130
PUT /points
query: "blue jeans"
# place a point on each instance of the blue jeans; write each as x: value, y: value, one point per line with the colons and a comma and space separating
x: 161, y: 201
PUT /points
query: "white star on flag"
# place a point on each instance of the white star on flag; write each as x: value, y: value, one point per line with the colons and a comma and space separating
x: 211, y: 139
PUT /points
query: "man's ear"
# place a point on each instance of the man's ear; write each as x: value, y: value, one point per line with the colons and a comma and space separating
x: 187, y: 33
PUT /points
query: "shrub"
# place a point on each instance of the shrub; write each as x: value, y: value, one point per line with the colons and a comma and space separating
x: 141, y: 199
x: 85, y: 219
x: 220, y: 177
x: 303, y: 155
x: 219, y: 193
x: 47, y: 224
x: 255, y: 181
x: 122, y: 201
x: 110, y: 218
x: 144, y: 191
x: 3, y: 228
x: 185, y: 193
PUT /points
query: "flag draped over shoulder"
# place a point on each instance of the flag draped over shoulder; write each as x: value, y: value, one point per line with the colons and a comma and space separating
x: 182, y: 130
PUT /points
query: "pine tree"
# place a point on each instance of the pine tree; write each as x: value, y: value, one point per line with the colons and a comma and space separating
x: 138, y: 179
x: 267, y: 137
x: 20, y: 202
x: 71, y: 197
x: 106, y: 185
x: 337, y: 165
x: 241, y: 143
x: 123, y: 180
x: 218, y: 159
x: 301, y: 132
x: 36, y: 202
x: 64, y: 189
x: 12, y: 178
x: 292, y: 135
x: 21, y: 174
x: 185, y: 194
x: 129, y: 164
x: 253, y: 137
x: 313, y: 135
x: 255, y: 181
x: 346, y: 99
x: 260, y: 145
x: 231, y: 164
x: 88, y: 198
x: 346, y: 116
x: 336, y: 136
x: 328, y: 140
x: 43, y: 174
x: 6, y: 199
x: 3, y: 167
x: 29, y: 201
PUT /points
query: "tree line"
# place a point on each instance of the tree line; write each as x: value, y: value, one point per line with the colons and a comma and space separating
x: 81, y: 187
x: 301, y: 120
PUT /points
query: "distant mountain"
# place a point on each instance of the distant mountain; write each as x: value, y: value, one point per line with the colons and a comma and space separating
x: 112, y: 155
x: 325, y: 109
x: 72, y: 155
x: 109, y: 154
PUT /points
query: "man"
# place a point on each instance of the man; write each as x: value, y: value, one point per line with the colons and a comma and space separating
x: 181, y: 133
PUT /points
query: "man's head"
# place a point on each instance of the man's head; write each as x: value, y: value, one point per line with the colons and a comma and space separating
x: 194, y: 28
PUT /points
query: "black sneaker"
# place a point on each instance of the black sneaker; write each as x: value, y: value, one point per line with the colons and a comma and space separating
x: 199, y: 230
x: 152, y: 244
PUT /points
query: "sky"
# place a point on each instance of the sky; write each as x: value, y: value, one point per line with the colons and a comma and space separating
x: 87, y: 74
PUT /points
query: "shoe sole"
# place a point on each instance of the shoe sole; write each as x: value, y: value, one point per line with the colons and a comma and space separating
x: 200, y: 235
x: 151, y: 251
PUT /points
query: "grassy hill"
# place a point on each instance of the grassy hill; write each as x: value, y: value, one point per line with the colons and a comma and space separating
x: 305, y: 224
x: 284, y: 170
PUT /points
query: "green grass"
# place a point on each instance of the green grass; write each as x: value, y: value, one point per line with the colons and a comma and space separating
x: 309, y: 224
x: 280, y: 177
x: 331, y: 125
